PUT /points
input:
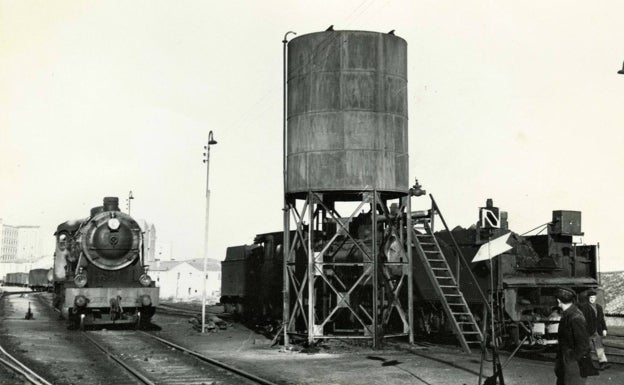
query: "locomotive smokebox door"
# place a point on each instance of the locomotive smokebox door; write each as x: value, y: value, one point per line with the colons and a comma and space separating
x: 566, y: 222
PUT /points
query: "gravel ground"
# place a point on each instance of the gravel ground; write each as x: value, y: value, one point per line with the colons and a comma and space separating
x: 349, y: 362
x: 338, y: 362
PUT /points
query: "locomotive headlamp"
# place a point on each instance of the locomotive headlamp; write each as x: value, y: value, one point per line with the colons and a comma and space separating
x: 81, y: 301
x: 146, y: 300
x: 113, y: 224
x: 80, y: 280
x: 145, y: 280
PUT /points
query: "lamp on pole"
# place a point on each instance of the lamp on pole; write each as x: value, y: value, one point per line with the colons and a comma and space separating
x: 130, y: 198
x: 211, y: 141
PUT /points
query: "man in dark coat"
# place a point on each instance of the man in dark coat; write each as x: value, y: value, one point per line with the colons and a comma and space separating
x: 573, y: 340
x: 596, y: 327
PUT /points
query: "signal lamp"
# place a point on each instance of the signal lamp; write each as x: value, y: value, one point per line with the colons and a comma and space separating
x: 81, y: 301
x: 80, y: 280
x: 145, y: 280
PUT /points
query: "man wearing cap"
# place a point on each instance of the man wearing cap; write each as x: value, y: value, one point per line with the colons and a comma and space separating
x: 596, y: 327
x: 573, y: 340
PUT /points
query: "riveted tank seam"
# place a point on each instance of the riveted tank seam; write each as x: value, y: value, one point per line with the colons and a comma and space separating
x: 317, y: 112
x: 350, y: 149
x: 363, y: 70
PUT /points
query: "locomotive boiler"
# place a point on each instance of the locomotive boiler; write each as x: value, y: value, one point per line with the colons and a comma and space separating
x: 99, y: 271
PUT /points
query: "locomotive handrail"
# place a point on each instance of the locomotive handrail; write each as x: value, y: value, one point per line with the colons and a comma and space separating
x: 461, y: 255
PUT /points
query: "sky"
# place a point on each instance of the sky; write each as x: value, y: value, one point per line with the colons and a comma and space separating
x: 515, y: 101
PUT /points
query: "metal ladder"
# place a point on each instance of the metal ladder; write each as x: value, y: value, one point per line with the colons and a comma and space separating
x: 437, y: 268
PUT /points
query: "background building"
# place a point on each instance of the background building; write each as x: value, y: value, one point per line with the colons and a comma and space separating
x: 20, y: 249
x: 163, y: 251
x: 8, y: 243
x: 183, y: 280
x: 149, y: 240
x: 28, y: 242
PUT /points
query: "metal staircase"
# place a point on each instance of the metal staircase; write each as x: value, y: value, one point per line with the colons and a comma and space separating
x: 444, y: 283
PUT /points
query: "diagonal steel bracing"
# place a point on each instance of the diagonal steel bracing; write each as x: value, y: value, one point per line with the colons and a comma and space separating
x: 344, y: 276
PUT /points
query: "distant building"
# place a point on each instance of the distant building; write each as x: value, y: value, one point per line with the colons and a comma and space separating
x: 25, y: 265
x: 149, y: 240
x: 183, y: 280
x: 163, y: 251
x: 8, y: 243
x: 150, y: 243
x: 20, y: 247
x: 28, y: 242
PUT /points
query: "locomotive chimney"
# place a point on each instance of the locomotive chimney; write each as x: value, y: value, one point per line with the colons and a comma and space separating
x: 96, y: 210
x: 111, y: 204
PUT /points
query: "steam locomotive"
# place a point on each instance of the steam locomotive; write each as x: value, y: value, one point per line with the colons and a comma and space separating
x: 521, y: 281
x: 99, y: 272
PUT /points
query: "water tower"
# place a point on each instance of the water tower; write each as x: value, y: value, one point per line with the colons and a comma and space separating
x: 347, y: 270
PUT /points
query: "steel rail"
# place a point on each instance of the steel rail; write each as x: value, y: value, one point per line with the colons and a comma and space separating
x: 177, y: 311
x: 22, y: 369
x: 19, y: 372
x: 129, y: 369
x: 19, y: 292
x: 212, y: 361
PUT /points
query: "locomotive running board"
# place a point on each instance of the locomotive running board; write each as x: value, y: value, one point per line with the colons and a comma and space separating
x: 444, y: 283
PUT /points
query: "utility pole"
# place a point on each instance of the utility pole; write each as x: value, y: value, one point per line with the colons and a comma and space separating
x: 211, y: 142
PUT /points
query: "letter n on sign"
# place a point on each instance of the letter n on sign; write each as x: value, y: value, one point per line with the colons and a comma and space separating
x: 490, y: 218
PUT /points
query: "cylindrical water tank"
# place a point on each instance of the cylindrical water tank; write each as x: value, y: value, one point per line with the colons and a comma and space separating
x: 347, y: 113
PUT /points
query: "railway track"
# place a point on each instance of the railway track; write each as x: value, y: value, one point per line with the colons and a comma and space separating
x: 37, y: 343
x: 3, y: 293
x: 153, y: 360
x: 174, y: 310
x: 23, y: 372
